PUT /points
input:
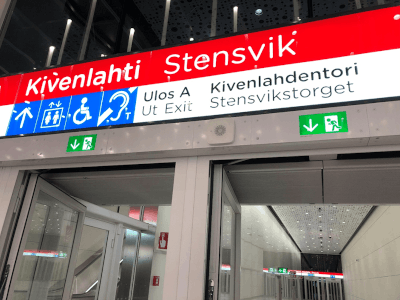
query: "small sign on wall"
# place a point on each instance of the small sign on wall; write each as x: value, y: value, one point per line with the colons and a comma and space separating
x: 156, y: 280
x: 163, y: 241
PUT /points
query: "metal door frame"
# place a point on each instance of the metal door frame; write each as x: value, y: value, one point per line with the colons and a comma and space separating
x: 36, y: 185
x: 222, y: 191
x: 107, y: 258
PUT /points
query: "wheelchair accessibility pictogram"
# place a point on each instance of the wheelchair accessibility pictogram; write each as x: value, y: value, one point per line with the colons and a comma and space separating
x: 83, y: 110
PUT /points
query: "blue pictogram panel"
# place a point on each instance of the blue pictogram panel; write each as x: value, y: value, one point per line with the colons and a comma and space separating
x: 84, y: 111
x: 118, y: 107
x: 53, y: 115
x: 23, y: 118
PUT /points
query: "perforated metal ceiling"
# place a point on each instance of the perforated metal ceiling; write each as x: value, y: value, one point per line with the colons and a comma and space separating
x: 322, y: 229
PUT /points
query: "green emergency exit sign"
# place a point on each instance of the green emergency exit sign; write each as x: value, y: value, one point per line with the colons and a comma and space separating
x: 81, y: 143
x: 323, y: 123
x: 283, y: 270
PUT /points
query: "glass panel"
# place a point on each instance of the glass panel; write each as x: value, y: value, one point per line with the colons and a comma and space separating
x: 134, y: 212
x: 89, y: 263
x: 227, y: 256
x: 47, y: 251
x: 150, y: 215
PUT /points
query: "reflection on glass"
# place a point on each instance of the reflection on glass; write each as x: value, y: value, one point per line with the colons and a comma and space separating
x: 227, y: 253
x: 126, y: 264
x: 134, y: 212
x: 150, y: 215
x: 47, y: 251
x: 89, y: 263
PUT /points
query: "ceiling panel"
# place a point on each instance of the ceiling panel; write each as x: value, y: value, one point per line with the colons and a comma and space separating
x: 133, y: 187
x: 322, y: 229
x: 277, y: 183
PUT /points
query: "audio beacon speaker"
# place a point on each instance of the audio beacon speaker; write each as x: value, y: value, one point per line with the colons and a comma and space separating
x: 221, y: 131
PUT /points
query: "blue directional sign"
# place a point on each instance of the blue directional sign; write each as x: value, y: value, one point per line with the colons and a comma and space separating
x: 117, y: 107
x: 53, y: 115
x: 100, y: 109
x: 23, y: 118
x: 84, y: 111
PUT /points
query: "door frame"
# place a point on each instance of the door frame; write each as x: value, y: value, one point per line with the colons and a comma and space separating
x: 108, y: 256
x: 35, y: 186
x: 223, y: 192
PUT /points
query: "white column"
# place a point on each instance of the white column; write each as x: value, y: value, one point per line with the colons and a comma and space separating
x: 185, y: 266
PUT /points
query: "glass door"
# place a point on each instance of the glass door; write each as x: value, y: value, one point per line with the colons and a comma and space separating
x: 94, y: 260
x: 42, y: 259
x: 224, y: 263
x: 227, y: 252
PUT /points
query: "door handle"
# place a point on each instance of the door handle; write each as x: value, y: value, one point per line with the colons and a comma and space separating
x: 4, y: 280
x: 210, y: 292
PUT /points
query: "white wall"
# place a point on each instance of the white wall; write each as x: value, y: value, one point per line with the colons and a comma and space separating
x: 371, y: 262
x: 159, y: 256
x: 261, y: 232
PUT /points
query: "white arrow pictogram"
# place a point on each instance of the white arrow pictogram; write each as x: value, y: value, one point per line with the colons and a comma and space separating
x: 23, y: 113
x: 74, y: 146
x: 310, y: 128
